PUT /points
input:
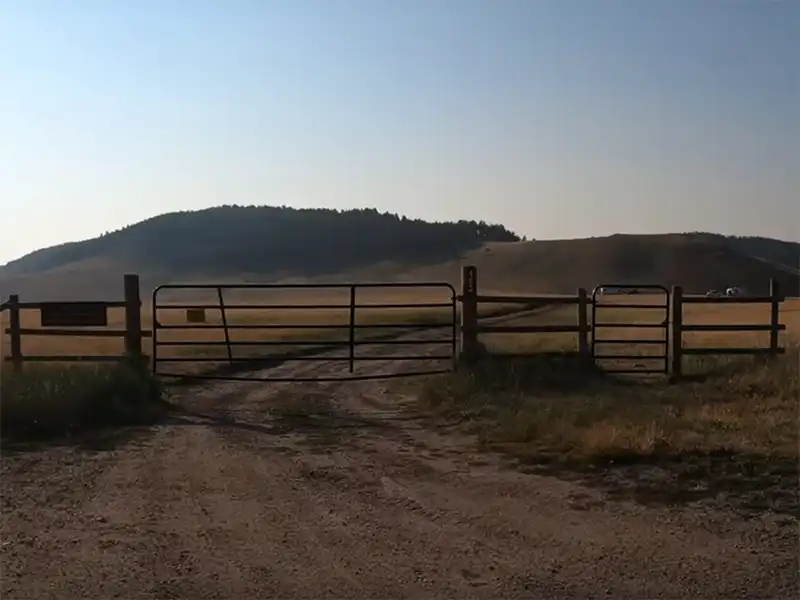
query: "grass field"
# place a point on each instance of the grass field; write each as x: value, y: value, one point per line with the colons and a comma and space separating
x: 728, y: 431
x: 737, y: 406
x: 712, y: 314
x: 312, y: 315
x: 282, y: 323
x: 53, y: 397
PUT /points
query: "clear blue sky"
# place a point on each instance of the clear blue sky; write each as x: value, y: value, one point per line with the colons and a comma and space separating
x: 558, y: 118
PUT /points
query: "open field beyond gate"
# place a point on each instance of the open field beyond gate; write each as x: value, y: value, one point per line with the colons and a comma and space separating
x: 310, y: 308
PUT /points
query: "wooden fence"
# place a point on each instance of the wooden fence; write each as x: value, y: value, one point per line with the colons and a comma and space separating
x: 62, y: 318
x: 67, y: 319
x: 774, y: 327
x: 470, y: 298
x: 470, y: 327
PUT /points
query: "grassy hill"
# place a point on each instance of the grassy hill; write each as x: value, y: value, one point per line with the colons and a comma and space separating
x: 267, y: 240
x: 698, y: 262
x: 277, y: 244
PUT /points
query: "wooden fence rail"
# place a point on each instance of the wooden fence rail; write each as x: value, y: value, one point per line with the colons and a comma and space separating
x: 62, y: 319
x: 471, y: 328
x: 774, y: 327
x: 65, y: 319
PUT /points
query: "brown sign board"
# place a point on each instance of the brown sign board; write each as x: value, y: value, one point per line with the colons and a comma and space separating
x: 195, y: 315
x: 73, y: 314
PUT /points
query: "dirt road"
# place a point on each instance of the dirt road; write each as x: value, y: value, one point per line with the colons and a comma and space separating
x: 336, y: 491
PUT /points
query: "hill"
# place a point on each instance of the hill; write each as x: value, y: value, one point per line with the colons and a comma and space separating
x: 698, y: 262
x: 267, y: 240
x: 234, y: 243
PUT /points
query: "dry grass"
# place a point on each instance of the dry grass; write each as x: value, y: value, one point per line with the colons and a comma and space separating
x: 47, y: 345
x: 712, y: 314
x: 56, y: 400
x: 561, y: 266
x: 731, y: 438
x: 59, y: 346
x: 206, y: 350
x: 728, y: 431
x: 548, y: 413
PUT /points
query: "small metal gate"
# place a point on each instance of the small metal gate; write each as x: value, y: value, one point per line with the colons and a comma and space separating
x: 615, y: 310
x: 429, y: 332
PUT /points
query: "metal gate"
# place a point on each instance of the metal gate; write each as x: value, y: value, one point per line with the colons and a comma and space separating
x: 256, y: 335
x: 628, y: 313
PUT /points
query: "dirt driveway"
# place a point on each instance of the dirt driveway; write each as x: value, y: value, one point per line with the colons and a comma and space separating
x: 337, y: 491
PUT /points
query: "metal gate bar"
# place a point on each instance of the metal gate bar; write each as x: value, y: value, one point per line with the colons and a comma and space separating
x: 313, y: 349
x: 598, y: 305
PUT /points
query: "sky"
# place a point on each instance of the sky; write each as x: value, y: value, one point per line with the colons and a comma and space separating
x: 557, y: 118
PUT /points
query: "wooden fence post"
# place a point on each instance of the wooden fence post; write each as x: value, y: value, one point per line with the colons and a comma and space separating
x: 14, y: 324
x: 584, y: 350
x: 677, y: 331
x: 775, y: 316
x: 133, y: 318
x: 469, y: 312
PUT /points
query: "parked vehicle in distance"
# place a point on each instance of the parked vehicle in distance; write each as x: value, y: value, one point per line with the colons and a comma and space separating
x: 606, y: 291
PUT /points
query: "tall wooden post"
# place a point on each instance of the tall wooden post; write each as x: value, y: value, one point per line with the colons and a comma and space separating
x: 469, y: 312
x: 775, y: 316
x: 584, y: 349
x: 14, y: 325
x: 677, y: 331
x: 133, y: 318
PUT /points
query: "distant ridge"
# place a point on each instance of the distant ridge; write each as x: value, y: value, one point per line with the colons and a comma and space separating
x: 698, y: 262
x: 268, y: 240
x: 278, y: 243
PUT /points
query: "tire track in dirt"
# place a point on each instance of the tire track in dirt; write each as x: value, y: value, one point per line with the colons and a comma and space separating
x: 237, y: 371
x: 415, y: 465
x: 332, y: 490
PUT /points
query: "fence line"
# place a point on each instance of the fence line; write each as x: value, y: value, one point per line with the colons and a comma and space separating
x: 62, y: 317
x: 77, y: 314
x: 774, y: 327
x: 470, y: 298
x: 470, y: 328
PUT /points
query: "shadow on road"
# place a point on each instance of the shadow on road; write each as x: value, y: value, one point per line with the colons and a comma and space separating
x: 748, y: 484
